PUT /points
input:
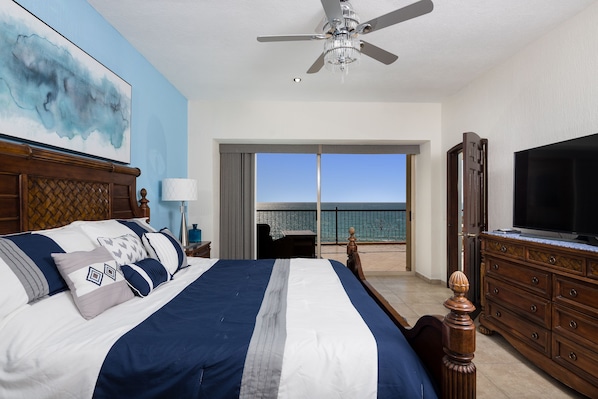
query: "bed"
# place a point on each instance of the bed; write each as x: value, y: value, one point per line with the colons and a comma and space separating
x: 96, y: 302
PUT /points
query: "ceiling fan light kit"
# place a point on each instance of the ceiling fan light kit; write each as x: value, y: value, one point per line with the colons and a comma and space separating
x: 341, y: 32
x: 340, y: 51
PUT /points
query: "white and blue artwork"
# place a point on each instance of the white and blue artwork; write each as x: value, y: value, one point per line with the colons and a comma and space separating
x: 52, y: 92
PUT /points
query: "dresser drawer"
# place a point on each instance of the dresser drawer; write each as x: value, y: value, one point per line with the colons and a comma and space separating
x: 581, y: 361
x: 575, y: 325
x: 530, y: 306
x: 535, y: 280
x: 532, y: 334
x: 506, y: 249
x: 593, y: 269
x: 575, y: 293
x: 572, y: 264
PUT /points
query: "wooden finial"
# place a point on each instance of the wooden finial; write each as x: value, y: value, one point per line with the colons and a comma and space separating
x: 352, y: 246
x: 143, y: 204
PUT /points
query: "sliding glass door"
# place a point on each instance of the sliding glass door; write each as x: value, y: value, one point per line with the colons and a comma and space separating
x: 325, y: 194
x: 286, y: 192
x: 339, y: 173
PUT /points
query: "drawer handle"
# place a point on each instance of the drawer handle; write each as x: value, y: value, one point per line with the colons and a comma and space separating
x: 533, y: 308
x: 535, y: 335
x: 498, y: 314
x: 573, y: 292
x: 572, y: 356
x: 573, y: 324
x: 503, y: 248
x: 495, y: 266
x: 552, y: 260
x: 535, y: 280
x: 495, y: 291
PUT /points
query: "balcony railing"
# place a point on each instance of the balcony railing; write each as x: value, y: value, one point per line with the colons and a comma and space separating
x: 388, y: 225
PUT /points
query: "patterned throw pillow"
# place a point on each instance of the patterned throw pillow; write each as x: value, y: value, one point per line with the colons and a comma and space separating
x: 93, y: 279
x: 125, y: 249
x: 145, y: 276
x: 168, y: 250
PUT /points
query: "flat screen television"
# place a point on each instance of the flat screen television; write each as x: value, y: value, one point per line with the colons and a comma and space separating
x: 556, y: 188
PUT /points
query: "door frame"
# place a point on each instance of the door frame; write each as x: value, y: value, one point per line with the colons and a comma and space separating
x: 464, y: 225
x: 453, y: 216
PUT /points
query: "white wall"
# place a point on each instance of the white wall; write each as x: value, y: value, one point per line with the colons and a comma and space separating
x: 546, y: 93
x: 211, y: 123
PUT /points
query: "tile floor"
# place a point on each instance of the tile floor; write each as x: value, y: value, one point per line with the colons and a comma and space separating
x: 501, y: 371
x: 383, y: 259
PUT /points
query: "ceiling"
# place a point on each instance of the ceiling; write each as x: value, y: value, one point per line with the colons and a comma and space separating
x: 208, y: 49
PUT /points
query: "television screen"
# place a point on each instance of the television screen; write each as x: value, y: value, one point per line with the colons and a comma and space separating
x: 556, y: 187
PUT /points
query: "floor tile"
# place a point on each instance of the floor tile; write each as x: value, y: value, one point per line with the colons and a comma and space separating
x: 501, y: 371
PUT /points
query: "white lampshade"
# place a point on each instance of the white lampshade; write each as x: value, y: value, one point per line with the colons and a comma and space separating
x: 179, y: 189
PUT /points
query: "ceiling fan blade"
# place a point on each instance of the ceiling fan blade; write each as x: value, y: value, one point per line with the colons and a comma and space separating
x: 333, y: 10
x: 321, y: 25
x: 402, y: 14
x: 291, y: 38
x: 377, y: 53
x: 316, y: 66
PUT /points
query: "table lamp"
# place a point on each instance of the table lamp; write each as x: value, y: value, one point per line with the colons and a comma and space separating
x: 176, y: 189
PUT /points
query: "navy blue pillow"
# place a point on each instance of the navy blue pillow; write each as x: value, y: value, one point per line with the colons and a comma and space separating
x: 136, y: 227
x: 30, y: 257
x: 144, y: 276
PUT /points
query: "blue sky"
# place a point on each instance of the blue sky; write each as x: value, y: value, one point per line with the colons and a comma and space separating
x: 345, y: 178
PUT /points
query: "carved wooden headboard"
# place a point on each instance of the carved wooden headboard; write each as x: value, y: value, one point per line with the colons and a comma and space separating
x: 42, y: 189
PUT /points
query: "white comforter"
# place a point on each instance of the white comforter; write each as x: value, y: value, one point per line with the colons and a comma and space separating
x: 47, y: 350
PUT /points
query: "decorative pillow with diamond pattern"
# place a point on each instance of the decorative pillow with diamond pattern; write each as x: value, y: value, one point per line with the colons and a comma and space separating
x: 93, y: 279
x: 124, y: 249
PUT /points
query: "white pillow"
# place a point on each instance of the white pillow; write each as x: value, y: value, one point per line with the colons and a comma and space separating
x: 103, y: 228
x: 12, y: 292
x: 70, y: 238
x: 168, y: 250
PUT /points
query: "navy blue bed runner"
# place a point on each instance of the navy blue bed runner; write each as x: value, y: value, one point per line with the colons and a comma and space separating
x: 400, y: 372
x: 195, y: 346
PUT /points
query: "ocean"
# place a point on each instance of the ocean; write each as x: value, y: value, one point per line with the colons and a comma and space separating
x: 373, y: 221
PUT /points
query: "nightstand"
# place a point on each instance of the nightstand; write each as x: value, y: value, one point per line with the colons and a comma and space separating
x: 199, y: 249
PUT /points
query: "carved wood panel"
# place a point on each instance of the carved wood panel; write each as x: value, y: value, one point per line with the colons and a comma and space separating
x: 54, y: 202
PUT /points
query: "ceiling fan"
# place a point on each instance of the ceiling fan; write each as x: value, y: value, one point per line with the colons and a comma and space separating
x: 342, y: 29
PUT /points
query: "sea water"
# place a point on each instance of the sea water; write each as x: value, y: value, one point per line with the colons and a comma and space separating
x: 373, y: 221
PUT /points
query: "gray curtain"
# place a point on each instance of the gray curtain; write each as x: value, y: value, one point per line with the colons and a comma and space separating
x: 237, y: 213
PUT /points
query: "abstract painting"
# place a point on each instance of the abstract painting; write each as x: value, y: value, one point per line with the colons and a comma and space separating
x: 54, y: 93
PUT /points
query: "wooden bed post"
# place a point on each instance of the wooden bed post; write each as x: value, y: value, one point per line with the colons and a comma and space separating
x: 145, y: 209
x: 445, y: 345
x: 458, y: 372
x: 353, y: 262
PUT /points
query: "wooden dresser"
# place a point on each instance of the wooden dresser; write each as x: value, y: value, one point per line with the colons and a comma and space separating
x: 542, y: 297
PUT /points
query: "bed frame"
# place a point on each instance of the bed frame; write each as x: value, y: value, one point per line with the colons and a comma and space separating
x: 42, y: 189
x: 444, y: 344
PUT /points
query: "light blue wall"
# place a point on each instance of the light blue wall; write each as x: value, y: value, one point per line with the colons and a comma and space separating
x: 159, y: 111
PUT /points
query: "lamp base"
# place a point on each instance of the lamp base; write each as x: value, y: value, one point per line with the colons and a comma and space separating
x: 184, y: 236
